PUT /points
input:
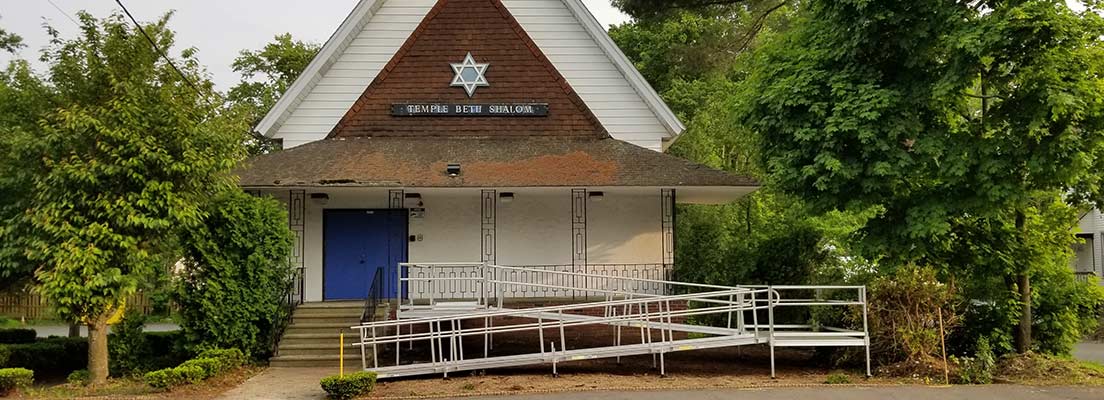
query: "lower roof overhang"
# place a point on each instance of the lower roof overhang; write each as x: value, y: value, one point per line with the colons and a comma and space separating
x: 502, y: 163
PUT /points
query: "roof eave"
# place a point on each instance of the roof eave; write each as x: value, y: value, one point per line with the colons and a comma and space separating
x: 666, y: 116
x: 318, y: 66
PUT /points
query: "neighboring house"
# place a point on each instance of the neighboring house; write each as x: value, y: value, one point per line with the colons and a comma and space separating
x: 1087, y: 261
x: 504, y: 131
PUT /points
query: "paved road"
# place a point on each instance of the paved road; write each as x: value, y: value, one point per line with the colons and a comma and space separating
x: 1090, y: 351
x: 1001, y: 392
x: 63, y: 330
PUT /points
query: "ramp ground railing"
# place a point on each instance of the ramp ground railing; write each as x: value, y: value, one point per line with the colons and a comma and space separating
x: 448, y: 327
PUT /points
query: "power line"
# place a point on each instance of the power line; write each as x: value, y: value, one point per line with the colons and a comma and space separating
x: 162, y: 53
x: 64, y: 13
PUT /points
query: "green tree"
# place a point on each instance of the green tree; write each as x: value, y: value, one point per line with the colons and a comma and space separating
x: 123, y: 162
x: 24, y: 100
x: 10, y: 42
x: 266, y: 75
x: 942, y: 115
x: 232, y: 287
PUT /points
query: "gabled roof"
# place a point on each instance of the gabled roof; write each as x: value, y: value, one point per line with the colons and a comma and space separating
x: 365, y: 10
x: 498, y: 161
x: 518, y: 71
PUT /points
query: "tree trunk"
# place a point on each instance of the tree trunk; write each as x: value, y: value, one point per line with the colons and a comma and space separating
x: 74, y: 330
x: 97, y: 349
x: 1023, y: 283
x: 1023, y: 333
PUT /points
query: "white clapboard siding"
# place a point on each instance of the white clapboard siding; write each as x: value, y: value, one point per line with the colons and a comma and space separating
x: 615, y: 101
x: 323, y: 104
x: 590, y: 71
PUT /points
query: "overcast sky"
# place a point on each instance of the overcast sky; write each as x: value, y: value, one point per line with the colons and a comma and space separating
x: 218, y: 28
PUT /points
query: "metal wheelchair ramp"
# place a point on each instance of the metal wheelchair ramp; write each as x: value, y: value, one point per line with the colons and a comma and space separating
x: 459, y: 333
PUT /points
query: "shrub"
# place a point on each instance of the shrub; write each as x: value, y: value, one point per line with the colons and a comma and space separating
x: 127, y: 347
x: 53, y: 356
x: 164, y: 349
x: 190, y: 374
x: 208, y: 364
x: 1065, y: 311
x: 904, y: 320
x: 837, y: 378
x: 349, y: 386
x: 13, y: 379
x: 162, y: 379
x: 79, y: 377
x: 979, y: 368
x: 233, y: 357
x: 17, y: 336
x: 235, y: 274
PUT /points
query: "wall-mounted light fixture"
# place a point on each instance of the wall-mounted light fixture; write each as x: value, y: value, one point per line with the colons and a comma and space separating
x: 506, y: 197
x: 413, y: 200
x: 453, y: 170
x: 320, y: 198
x: 596, y: 196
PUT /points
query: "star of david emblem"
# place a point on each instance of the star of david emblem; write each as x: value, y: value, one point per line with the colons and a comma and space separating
x: 470, y: 75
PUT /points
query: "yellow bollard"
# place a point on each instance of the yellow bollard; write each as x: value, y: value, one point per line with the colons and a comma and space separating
x: 341, y: 355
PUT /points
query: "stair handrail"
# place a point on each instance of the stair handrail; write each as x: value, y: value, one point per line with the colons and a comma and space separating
x: 375, y: 293
x: 292, y: 298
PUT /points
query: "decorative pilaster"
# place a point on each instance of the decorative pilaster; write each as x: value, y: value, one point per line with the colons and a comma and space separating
x: 297, y: 221
x: 395, y: 199
x: 488, y: 207
x: 578, y: 231
x: 667, y: 223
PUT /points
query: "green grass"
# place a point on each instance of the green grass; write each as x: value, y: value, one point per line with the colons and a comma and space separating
x: 1094, y: 367
x: 837, y: 378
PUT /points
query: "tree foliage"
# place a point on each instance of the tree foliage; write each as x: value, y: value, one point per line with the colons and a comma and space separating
x: 24, y: 99
x: 266, y: 75
x: 231, y: 289
x: 10, y: 42
x: 122, y: 161
x: 952, y: 119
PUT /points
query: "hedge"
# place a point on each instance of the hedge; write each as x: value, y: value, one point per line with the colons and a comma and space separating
x: 349, y: 386
x: 17, y: 336
x: 13, y: 379
x: 53, y: 356
x: 60, y: 356
x: 208, y: 364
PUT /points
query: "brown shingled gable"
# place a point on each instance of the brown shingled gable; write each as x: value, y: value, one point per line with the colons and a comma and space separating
x: 420, y: 72
x: 509, y: 161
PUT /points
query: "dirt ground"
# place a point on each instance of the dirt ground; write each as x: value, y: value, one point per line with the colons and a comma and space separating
x: 711, y: 369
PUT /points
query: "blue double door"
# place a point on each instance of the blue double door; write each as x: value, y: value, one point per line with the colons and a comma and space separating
x: 357, y: 244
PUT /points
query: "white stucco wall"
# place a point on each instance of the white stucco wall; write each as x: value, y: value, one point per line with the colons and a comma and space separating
x: 625, y: 228
x: 533, y: 229
x: 450, y: 229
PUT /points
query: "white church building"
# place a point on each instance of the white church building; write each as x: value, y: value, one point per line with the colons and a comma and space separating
x: 512, y: 132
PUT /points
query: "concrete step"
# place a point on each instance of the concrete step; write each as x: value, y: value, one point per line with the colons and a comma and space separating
x: 352, y: 361
x: 332, y: 305
x: 320, y: 328
x: 315, y: 349
x: 326, y: 319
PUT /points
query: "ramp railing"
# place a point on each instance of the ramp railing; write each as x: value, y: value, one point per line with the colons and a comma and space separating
x: 443, y: 325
